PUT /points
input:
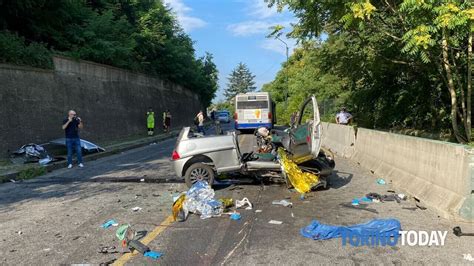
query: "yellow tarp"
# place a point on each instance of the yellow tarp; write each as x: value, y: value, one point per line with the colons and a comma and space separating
x: 178, y: 205
x: 302, y: 182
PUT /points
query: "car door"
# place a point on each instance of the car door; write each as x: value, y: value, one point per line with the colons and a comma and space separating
x: 305, y: 136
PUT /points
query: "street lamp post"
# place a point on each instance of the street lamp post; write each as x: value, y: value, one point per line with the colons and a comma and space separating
x: 286, y: 72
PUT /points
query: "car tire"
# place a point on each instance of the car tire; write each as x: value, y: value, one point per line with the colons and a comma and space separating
x: 199, y: 171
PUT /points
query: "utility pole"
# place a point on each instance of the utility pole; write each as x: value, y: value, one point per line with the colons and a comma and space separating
x: 286, y: 72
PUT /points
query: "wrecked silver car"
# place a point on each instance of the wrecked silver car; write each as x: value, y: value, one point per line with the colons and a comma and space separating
x: 201, y: 158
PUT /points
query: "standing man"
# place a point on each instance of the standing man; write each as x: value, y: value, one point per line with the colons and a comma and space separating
x: 292, y: 119
x: 166, y: 120
x: 200, y: 122
x: 343, y: 117
x: 71, y: 126
x: 150, y: 121
x: 213, y: 114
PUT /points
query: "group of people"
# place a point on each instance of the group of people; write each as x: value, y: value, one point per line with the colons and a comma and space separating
x: 150, y: 121
x: 72, y: 123
x: 150, y: 115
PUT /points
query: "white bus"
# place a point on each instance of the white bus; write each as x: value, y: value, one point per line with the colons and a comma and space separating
x: 254, y: 110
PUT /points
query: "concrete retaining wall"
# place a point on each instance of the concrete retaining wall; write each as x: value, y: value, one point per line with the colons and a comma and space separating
x: 440, y: 174
x: 111, y: 101
x: 339, y: 139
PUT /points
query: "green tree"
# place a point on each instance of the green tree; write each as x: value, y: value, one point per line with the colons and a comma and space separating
x: 139, y: 35
x: 241, y: 80
x: 407, y: 62
x: 306, y: 77
x: 211, y: 76
x: 103, y: 39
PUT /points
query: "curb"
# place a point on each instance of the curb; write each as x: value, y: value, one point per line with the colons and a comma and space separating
x: 92, y: 157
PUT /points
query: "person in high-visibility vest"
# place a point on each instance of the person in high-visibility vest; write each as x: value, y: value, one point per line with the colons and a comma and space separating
x: 150, y: 121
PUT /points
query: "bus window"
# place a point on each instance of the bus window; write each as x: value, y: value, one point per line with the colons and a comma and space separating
x: 252, y: 105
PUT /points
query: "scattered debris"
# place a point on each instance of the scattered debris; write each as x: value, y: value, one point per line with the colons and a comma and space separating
x: 380, y: 181
x: 242, y: 203
x: 319, y: 231
x: 142, y: 180
x: 420, y: 206
x: 108, y: 250
x: 177, y: 209
x: 257, y: 211
x: 365, y: 199
x: 138, y: 246
x: 457, y: 231
x: 227, y: 202
x: 292, y: 215
x: 130, y: 238
x: 275, y: 222
x: 125, y: 232
x: 109, y: 223
x: 13, y: 180
x: 135, y: 209
x: 31, y: 153
x: 362, y: 207
x: 392, y: 197
x: 235, y: 216
x: 355, y: 202
x: 200, y: 200
x: 19, y: 232
x: 283, y: 203
x: 152, y: 254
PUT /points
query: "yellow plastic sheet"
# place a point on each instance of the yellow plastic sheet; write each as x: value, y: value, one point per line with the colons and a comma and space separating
x: 178, y: 205
x: 302, y: 182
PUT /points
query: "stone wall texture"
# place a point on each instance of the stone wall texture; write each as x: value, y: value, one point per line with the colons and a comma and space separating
x: 112, y: 102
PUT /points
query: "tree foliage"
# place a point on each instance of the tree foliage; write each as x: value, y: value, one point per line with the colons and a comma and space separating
x: 138, y: 35
x: 403, y: 63
x: 241, y: 80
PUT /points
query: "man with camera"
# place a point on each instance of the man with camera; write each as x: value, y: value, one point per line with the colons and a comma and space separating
x: 71, y: 126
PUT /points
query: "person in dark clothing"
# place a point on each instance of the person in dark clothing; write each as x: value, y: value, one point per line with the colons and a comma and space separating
x: 167, y: 120
x: 71, y: 126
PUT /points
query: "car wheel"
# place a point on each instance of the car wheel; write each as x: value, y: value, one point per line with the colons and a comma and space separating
x: 197, y: 172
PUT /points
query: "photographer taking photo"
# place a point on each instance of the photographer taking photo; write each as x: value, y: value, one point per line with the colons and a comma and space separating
x: 71, y: 126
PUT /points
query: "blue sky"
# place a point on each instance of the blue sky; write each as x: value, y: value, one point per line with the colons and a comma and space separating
x: 234, y: 31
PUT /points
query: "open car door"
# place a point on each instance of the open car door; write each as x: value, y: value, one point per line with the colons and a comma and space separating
x: 305, y: 136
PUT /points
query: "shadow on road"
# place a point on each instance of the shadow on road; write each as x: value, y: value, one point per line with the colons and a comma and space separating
x: 339, y: 179
x: 125, y: 167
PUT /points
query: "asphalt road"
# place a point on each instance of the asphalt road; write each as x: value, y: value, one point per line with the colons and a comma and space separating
x: 56, y: 219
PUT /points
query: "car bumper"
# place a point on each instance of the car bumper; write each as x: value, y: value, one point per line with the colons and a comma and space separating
x: 178, y: 166
x: 252, y: 125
